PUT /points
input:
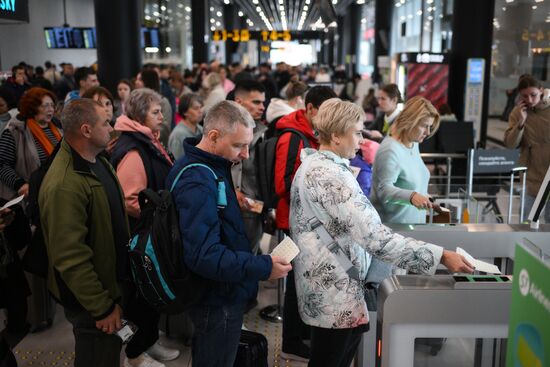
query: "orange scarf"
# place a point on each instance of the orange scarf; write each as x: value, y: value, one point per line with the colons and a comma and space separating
x: 41, y: 136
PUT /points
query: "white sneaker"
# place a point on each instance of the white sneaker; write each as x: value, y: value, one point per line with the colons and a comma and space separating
x: 162, y: 353
x: 143, y: 360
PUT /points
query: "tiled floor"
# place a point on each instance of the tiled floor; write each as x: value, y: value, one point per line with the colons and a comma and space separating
x: 55, y: 346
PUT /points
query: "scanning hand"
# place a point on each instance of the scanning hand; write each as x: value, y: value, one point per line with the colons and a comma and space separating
x: 456, y: 263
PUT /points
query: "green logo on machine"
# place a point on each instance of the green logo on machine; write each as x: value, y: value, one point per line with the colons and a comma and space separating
x: 529, y: 328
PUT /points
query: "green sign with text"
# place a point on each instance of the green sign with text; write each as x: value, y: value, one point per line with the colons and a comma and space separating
x: 529, y: 328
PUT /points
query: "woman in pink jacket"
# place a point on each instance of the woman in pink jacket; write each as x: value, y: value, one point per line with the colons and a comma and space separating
x: 141, y: 162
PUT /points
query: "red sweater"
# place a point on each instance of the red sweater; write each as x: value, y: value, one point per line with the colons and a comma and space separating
x: 287, y: 160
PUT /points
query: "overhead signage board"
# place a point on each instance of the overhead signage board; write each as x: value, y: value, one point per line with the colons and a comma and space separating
x: 67, y: 37
x: 244, y: 35
x: 14, y: 11
x: 422, y: 58
x: 529, y: 326
x: 85, y: 37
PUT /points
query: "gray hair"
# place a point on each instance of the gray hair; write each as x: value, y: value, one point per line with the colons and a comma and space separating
x: 78, y: 112
x: 139, y: 102
x: 187, y: 100
x: 224, y: 117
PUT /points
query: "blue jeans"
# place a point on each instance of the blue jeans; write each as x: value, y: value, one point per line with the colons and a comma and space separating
x: 217, y: 333
x: 529, y: 202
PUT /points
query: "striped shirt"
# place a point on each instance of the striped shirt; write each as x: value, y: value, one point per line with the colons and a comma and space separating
x: 8, y: 158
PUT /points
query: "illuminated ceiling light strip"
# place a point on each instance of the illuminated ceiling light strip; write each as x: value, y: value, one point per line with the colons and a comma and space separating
x: 261, y: 15
x: 304, y: 15
x: 283, y: 15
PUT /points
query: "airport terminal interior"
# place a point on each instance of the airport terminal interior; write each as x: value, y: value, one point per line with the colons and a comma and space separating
x: 467, y: 171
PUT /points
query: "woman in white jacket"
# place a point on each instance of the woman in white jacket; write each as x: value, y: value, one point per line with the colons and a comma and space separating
x: 330, y: 299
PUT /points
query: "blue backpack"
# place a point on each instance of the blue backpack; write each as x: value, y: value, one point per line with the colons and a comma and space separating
x: 156, y: 251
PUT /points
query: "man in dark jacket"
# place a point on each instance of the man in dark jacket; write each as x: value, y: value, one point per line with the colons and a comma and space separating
x: 251, y: 95
x: 287, y: 161
x: 214, y: 236
x: 18, y: 83
x: 86, y: 231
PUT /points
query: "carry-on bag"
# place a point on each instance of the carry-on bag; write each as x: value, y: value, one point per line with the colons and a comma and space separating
x: 252, y: 350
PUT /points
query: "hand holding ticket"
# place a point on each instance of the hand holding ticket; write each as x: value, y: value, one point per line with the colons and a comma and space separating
x: 478, y: 264
x: 13, y: 202
x: 286, y: 249
x: 256, y: 206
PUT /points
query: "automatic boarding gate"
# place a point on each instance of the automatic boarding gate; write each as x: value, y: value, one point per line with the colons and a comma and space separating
x: 437, y: 298
x: 419, y: 313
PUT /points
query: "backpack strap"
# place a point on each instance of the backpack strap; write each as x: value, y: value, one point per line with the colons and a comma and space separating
x: 221, y: 201
x: 304, y: 138
x: 315, y: 225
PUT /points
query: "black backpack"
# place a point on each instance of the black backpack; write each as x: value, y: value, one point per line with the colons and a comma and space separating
x: 156, y: 251
x: 265, y: 167
x: 35, y: 259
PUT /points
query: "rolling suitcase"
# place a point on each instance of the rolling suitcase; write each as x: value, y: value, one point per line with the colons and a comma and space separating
x: 41, y: 304
x: 252, y: 350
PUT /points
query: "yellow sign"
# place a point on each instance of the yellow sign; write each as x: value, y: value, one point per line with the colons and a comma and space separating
x: 539, y: 35
x: 265, y: 48
x: 243, y: 35
x: 237, y: 35
x: 275, y: 36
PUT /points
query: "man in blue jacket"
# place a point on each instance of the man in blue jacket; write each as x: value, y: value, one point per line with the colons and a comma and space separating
x: 214, y: 239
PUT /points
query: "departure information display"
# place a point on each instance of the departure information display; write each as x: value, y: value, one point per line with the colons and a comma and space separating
x: 244, y: 35
x: 62, y: 37
x: 69, y: 37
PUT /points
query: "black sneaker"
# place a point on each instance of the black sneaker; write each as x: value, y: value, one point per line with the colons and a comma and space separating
x: 300, y: 354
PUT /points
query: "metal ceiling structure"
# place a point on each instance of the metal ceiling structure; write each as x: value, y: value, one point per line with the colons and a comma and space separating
x: 292, y: 15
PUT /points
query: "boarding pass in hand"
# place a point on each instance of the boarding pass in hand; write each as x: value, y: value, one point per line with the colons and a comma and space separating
x: 286, y: 249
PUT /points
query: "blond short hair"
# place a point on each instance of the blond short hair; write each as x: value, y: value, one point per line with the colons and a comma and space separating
x: 213, y: 79
x: 416, y: 111
x: 336, y: 117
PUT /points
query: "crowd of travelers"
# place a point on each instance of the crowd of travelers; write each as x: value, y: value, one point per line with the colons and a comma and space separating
x: 98, y: 150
